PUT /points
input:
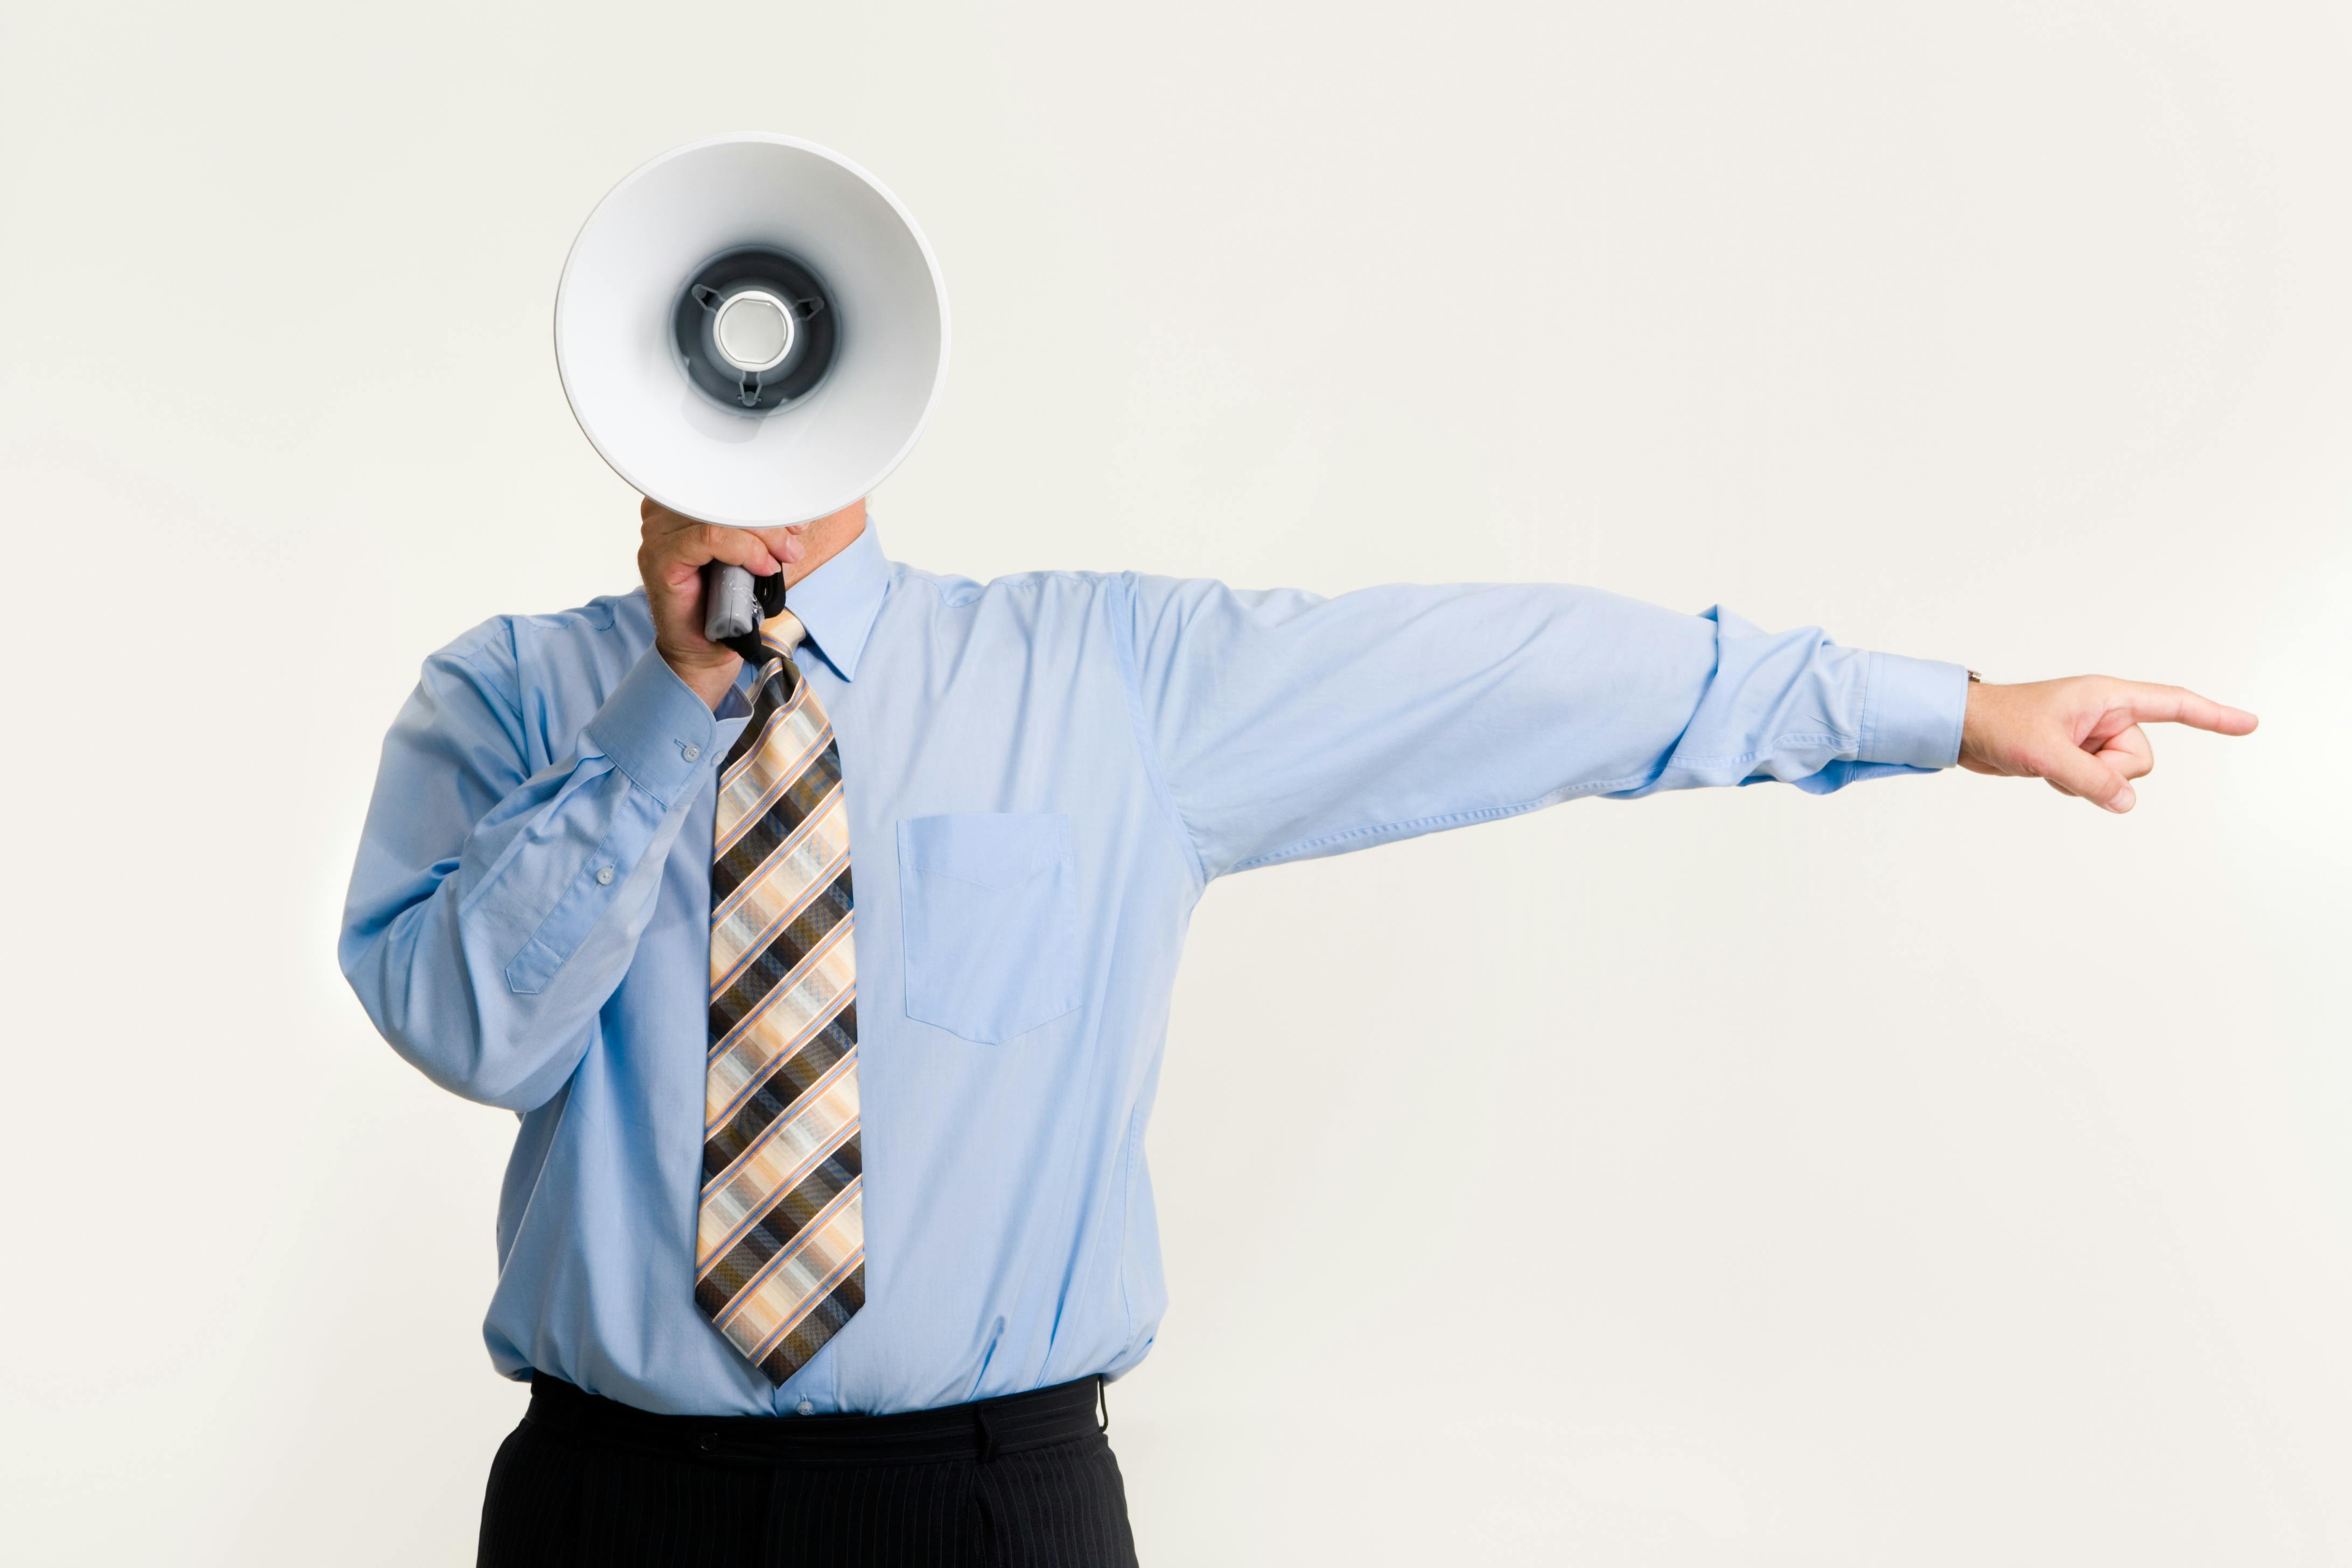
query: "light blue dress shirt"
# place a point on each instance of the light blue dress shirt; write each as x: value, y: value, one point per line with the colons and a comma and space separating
x: 1043, y: 773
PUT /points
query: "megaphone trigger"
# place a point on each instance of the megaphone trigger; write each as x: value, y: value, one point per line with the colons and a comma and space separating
x: 770, y: 592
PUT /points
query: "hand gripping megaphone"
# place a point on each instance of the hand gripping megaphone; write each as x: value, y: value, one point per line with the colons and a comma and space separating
x: 751, y: 331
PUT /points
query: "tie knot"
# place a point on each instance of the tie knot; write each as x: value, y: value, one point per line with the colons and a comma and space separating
x: 783, y: 632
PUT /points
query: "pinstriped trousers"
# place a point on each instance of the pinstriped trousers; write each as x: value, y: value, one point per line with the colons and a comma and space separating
x: 1024, y: 1482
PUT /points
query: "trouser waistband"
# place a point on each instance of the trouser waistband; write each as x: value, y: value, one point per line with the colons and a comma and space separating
x: 978, y: 1430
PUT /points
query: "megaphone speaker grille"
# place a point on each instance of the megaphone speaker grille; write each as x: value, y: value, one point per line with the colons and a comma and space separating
x: 755, y: 330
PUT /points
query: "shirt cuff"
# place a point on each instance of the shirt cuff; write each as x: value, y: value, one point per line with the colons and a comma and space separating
x: 656, y: 729
x: 1911, y: 711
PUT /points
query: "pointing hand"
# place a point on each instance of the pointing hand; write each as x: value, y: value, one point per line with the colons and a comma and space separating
x: 2082, y: 734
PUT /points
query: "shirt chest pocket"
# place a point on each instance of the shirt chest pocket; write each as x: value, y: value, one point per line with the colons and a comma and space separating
x: 988, y: 913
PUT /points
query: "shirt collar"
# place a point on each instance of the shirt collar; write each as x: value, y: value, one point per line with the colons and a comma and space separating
x: 837, y: 602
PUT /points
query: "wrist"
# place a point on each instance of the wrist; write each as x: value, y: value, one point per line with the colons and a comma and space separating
x: 709, y: 676
x: 1979, y: 722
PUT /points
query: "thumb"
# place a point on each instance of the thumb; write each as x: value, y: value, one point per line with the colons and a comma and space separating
x: 2077, y: 772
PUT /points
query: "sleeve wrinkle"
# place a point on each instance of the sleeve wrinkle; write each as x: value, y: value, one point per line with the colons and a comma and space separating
x: 1123, y: 643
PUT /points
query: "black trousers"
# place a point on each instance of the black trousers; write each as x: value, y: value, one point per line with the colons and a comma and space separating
x: 1026, y: 1481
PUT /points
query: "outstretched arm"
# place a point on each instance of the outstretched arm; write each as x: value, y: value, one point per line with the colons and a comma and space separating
x: 1284, y: 725
x: 2083, y: 735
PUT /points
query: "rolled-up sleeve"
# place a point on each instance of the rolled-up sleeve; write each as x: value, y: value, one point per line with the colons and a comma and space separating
x: 1284, y: 725
x: 492, y: 911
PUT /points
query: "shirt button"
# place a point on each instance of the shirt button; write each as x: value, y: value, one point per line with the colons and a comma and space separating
x: 807, y: 1408
x: 604, y: 877
x: 692, y: 752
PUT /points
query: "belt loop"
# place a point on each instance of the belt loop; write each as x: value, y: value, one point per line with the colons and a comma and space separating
x: 1102, y: 1401
x: 987, y: 1437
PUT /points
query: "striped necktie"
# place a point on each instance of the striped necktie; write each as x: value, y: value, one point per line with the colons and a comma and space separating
x: 780, y: 1262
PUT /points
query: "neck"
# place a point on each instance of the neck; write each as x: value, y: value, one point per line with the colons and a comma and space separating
x: 825, y: 538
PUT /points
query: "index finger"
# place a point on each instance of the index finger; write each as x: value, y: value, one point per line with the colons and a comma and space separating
x: 2178, y: 705
x: 670, y: 521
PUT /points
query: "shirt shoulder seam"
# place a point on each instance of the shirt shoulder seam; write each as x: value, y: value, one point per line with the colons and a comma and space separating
x: 464, y: 652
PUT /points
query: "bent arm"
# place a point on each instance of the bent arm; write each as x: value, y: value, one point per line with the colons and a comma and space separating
x: 491, y: 913
x: 1286, y: 726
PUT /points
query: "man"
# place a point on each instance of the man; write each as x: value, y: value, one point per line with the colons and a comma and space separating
x: 830, y: 983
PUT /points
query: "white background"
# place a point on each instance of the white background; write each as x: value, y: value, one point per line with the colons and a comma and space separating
x: 1940, y: 1173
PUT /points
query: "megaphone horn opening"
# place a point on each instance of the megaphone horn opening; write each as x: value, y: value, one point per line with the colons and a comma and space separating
x: 756, y: 329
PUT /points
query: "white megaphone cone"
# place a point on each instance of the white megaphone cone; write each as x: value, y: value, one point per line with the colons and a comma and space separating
x: 751, y: 331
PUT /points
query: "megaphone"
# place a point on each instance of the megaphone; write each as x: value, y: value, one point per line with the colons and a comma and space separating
x: 753, y: 331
